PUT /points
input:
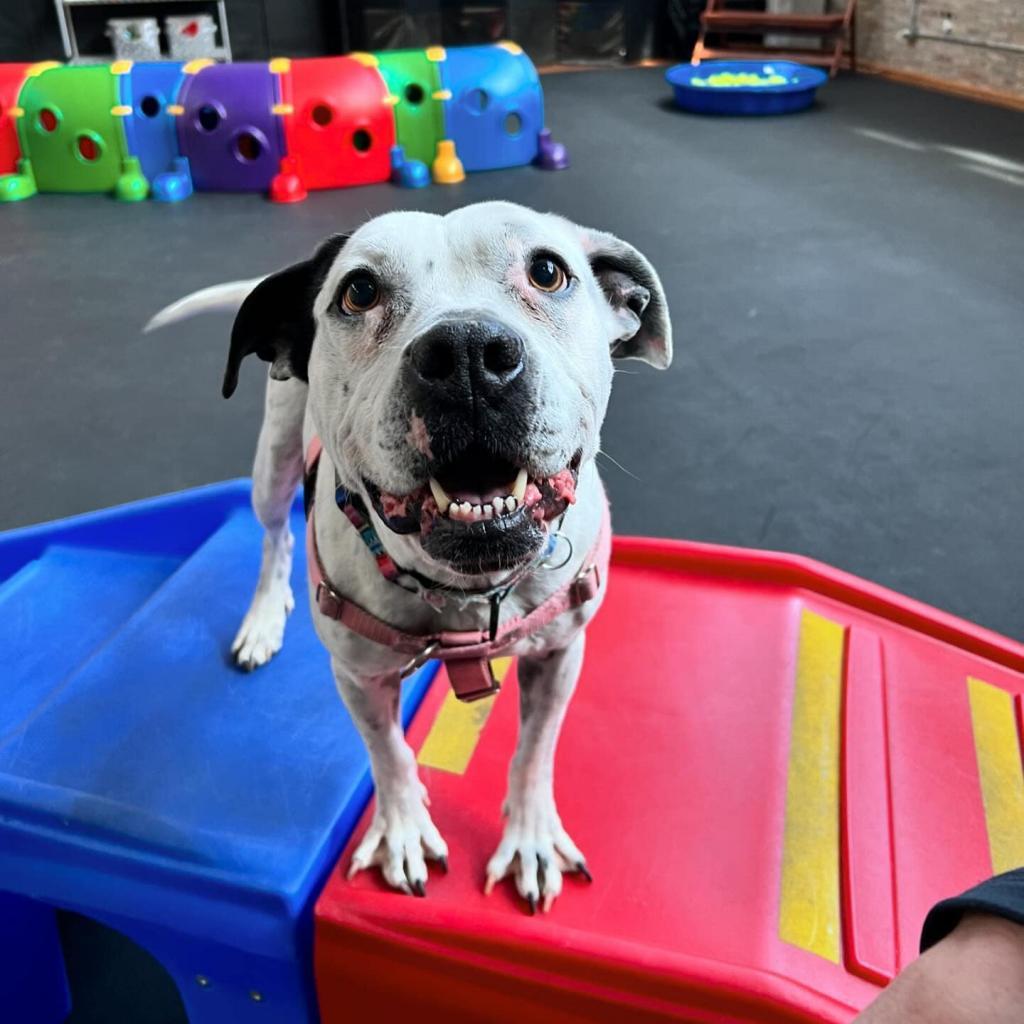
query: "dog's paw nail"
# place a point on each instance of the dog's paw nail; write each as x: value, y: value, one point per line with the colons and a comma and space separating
x: 549, y: 902
x: 489, y: 885
x: 419, y: 888
x: 532, y: 901
x: 582, y: 868
x: 443, y: 861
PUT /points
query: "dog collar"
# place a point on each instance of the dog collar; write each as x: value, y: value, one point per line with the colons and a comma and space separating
x: 467, y: 653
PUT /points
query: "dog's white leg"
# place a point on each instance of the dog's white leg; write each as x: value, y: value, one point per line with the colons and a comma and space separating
x: 276, y: 473
x: 535, y: 846
x: 401, y: 834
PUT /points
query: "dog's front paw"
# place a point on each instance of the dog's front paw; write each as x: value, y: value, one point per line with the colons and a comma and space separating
x: 400, y: 839
x: 261, y: 634
x: 536, y: 850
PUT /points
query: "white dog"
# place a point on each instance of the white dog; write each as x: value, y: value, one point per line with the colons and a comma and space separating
x: 443, y: 380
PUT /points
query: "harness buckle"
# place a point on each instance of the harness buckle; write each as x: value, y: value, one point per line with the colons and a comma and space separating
x: 472, y: 679
x: 329, y: 603
x: 418, y: 660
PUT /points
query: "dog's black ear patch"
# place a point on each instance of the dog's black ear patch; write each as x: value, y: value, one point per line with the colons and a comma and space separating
x: 634, y: 292
x: 276, y: 320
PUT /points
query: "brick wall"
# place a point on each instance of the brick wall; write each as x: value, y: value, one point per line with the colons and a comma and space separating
x: 879, y: 23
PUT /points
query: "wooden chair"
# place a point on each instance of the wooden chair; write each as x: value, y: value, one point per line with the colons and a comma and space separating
x: 835, y: 30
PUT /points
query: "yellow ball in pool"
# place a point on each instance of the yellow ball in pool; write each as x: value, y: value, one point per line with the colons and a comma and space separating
x: 732, y: 79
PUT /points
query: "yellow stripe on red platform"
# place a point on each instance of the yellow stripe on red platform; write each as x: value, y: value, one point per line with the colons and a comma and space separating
x: 997, y: 745
x: 456, y: 730
x: 809, y: 906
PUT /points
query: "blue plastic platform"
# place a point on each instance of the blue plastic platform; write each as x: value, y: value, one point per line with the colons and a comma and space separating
x: 694, y: 93
x: 148, y: 783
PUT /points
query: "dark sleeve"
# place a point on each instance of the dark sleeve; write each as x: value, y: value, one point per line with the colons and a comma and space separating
x: 1002, y: 896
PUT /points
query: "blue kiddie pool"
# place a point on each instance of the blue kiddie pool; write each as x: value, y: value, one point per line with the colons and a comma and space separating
x: 744, y: 86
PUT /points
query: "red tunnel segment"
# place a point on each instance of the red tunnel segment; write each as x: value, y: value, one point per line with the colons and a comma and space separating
x: 11, y: 78
x: 339, y: 128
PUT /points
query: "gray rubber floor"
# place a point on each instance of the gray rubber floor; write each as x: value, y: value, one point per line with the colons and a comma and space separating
x: 847, y: 292
x: 848, y: 305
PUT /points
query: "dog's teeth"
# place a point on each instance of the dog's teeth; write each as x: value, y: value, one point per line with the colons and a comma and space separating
x: 499, y: 506
x: 478, y: 511
x: 519, y: 488
x: 465, y: 509
x: 511, y: 505
x: 453, y: 510
x: 440, y: 495
x: 488, y: 511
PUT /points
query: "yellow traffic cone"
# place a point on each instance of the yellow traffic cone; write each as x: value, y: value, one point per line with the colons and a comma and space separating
x: 447, y: 167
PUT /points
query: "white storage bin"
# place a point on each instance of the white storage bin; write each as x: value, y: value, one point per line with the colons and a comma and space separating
x: 134, y: 38
x: 191, y: 36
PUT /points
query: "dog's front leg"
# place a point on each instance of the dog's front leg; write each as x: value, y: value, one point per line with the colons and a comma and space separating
x: 535, y: 846
x: 275, y: 475
x: 401, y: 834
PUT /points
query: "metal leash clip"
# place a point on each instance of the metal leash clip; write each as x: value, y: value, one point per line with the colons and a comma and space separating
x: 546, y: 564
x: 420, y: 659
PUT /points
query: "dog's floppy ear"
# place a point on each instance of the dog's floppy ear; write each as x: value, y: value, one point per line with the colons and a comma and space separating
x: 276, y: 319
x: 634, y: 292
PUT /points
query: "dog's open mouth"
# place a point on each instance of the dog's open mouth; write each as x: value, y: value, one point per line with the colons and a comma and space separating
x: 472, y: 490
x: 479, y: 494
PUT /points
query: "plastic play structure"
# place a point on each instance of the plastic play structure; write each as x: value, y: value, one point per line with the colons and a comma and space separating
x: 774, y: 769
x: 744, y: 87
x: 146, y: 782
x: 283, y: 127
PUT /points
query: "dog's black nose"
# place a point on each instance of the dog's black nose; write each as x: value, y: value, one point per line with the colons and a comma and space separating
x: 463, y: 360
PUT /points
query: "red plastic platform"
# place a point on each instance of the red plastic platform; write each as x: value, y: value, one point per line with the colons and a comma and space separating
x: 774, y: 769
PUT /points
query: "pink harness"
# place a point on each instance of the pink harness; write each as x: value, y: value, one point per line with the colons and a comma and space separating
x: 466, y: 653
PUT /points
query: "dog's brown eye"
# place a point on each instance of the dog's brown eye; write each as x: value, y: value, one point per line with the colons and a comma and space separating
x: 547, y: 275
x: 360, y: 293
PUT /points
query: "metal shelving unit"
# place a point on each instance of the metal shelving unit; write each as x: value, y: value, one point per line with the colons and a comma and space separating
x: 66, y: 21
